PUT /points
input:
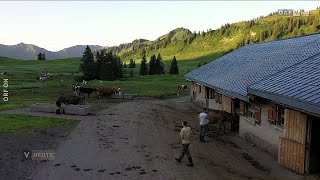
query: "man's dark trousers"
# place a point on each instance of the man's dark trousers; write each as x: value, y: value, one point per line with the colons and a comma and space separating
x: 202, y: 132
x: 185, y: 151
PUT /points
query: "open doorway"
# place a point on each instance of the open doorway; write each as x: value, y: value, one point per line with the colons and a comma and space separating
x: 314, y: 148
x: 235, y: 112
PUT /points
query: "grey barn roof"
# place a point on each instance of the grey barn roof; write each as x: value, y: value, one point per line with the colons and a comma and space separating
x: 232, y: 73
x: 297, y: 86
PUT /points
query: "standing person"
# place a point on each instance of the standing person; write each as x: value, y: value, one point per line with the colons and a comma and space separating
x: 185, y: 135
x: 203, y: 117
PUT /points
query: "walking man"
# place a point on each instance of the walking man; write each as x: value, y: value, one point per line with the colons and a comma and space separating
x: 203, y: 117
x: 185, y: 135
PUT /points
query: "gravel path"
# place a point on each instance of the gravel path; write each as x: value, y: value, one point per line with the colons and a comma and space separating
x: 140, y: 139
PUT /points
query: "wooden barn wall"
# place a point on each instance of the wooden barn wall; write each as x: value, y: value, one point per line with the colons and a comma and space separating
x: 203, y: 91
x: 291, y: 154
x: 226, y: 103
x: 295, y: 126
x: 292, y: 145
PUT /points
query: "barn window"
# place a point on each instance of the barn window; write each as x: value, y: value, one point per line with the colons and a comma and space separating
x: 242, y: 108
x: 250, y: 110
x: 280, y: 118
x: 211, y: 95
x: 275, y: 114
x: 257, y: 116
x: 218, y: 97
x: 272, y: 113
x: 199, y: 86
x: 254, y: 112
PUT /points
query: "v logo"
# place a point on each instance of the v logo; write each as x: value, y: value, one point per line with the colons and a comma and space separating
x: 26, y: 154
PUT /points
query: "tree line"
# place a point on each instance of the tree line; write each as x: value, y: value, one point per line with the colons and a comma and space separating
x: 156, y: 65
x: 105, y: 65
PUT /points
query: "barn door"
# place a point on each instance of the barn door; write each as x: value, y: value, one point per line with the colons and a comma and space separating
x: 292, y: 146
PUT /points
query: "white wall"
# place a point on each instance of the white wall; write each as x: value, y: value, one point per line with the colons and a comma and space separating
x: 264, y: 135
x: 201, y: 101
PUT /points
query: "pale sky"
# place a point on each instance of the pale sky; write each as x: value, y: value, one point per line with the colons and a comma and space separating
x: 55, y: 25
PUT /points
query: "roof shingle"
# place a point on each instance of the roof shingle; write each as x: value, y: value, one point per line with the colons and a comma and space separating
x: 232, y: 73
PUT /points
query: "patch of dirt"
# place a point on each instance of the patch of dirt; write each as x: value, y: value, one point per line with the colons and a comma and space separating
x: 14, y: 164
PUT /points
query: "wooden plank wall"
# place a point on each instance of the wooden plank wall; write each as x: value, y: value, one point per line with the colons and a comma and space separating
x: 203, y: 91
x: 291, y: 154
x: 295, y: 126
x: 292, y: 146
x: 226, y: 103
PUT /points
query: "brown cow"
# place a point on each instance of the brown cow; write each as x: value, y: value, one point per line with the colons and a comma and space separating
x: 220, y: 118
x: 107, y: 91
x: 69, y: 99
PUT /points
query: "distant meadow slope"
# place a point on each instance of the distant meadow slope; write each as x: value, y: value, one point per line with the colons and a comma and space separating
x: 187, y: 45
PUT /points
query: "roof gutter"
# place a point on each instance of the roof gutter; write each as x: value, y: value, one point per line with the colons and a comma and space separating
x: 289, y: 101
x: 223, y: 91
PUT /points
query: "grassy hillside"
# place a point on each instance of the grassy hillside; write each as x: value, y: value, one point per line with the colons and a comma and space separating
x: 186, y: 45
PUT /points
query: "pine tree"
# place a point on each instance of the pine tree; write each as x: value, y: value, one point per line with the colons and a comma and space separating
x: 300, y: 32
x: 152, y: 65
x: 159, y: 65
x: 39, y: 56
x: 143, y: 66
x: 315, y: 25
x: 118, y: 67
x: 43, y: 56
x: 87, y: 58
x: 110, y: 66
x: 131, y: 65
x: 125, y: 65
x: 134, y: 64
x: 174, y: 66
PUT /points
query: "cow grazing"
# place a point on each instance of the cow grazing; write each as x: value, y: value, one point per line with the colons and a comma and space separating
x: 116, y: 91
x: 86, y: 90
x: 84, y: 82
x: 181, y: 88
x: 78, y: 90
x: 108, y: 91
x: 220, y: 118
x: 69, y: 99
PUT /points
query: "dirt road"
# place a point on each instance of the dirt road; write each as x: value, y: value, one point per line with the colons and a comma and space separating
x: 140, y: 139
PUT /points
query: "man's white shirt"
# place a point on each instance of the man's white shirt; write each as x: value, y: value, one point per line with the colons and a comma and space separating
x: 203, y: 118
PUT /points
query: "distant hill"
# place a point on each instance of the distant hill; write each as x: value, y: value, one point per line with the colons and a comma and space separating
x: 30, y: 51
x: 186, y: 45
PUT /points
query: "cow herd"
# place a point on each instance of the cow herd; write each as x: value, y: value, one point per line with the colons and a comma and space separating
x: 79, y: 95
x: 101, y: 91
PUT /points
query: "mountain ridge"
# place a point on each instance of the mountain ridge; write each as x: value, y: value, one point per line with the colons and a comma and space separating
x: 184, y: 44
x: 25, y: 51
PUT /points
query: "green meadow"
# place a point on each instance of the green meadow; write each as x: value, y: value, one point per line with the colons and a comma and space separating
x: 25, y: 88
x: 26, y: 125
